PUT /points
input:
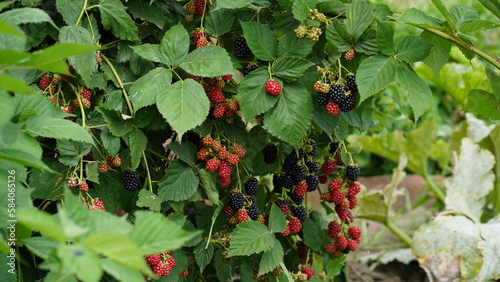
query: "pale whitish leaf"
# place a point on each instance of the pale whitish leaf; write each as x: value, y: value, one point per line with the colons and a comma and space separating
x: 209, y: 186
x: 149, y: 11
x: 179, y: 184
x: 448, y: 247
x: 84, y: 64
x: 69, y: 10
x: 416, y: 91
x: 291, y: 45
x: 491, y: 248
x: 471, y: 182
x: 203, y: 254
x: 291, y: 116
x: 277, y: 221
x: 208, y: 61
x: 250, y: 237
x: 137, y: 142
x: 261, y: 40
x: 359, y: 17
x: 219, y: 22
x: 150, y: 52
x: 70, y: 151
x: 385, y: 35
x: 79, y: 259
x: 120, y: 272
x: 419, y: 18
x: 374, y: 74
x: 115, y: 122
x: 477, y: 129
x: 12, y: 84
x: 57, y: 128
x: 154, y: 233
x: 184, y: 105
x: 252, y: 95
x: 300, y: 10
x: 26, y: 15
x: 145, y: 89
x: 175, y: 45
x: 230, y: 4
x: 337, y: 34
x: 439, y: 53
x: 115, y: 18
x: 290, y: 68
x: 272, y: 258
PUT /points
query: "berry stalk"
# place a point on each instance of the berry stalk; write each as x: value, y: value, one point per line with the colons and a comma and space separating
x: 122, y: 87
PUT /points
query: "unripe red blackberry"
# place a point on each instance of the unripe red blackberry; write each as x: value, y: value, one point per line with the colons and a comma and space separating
x: 44, y: 82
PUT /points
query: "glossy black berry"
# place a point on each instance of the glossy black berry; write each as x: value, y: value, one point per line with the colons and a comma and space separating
x: 298, y: 174
x: 312, y: 166
x: 277, y: 183
x: 296, y: 199
x: 299, y: 212
x: 311, y: 148
x: 287, y: 181
x: 253, y: 211
x: 323, y: 98
x: 349, y: 103
x: 353, y: 172
x: 241, y: 48
x: 351, y: 83
x: 250, y: 68
x: 251, y: 186
x: 131, y: 180
x: 270, y: 153
x: 337, y: 94
x: 236, y: 200
x: 333, y: 147
x: 312, y: 181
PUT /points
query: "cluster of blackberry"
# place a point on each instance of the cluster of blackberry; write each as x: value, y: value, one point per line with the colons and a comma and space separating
x: 161, y: 264
x: 337, y: 97
x: 240, y: 207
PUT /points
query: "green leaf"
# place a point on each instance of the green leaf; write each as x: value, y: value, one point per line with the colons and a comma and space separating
x: 385, y: 36
x: 291, y: 116
x: 26, y: 15
x: 149, y: 200
x: 150, y: 52
x: 49, y: 183
x: 208, y: 61
x: 209, y: 186
x: 331, y: 7
x: 367, y: 43
x: 42, y: 222
x: 230, y: 4
x: 439, y: 53
x: 463, y: 14
x: 359, y: 17
x: 492, y: 245
x: 13, y: 84
x: 148, y: 11
x: 374, y: 74
x: 8, y: 56
x: 277, y: 221
x: 115, y: 122
x: 494, y: 80
x: 115, y: 18
x: 69, y: 10
x: 478, y: 26
x: 145, y: 89
x: 84, y: 64
x: 335, y: 266
x: 314, y: 236
x: 179, y: 184
x: 290, y: 68
x: 272, y: 258
x: 186, y: 151
x: 203, y: 254
x: 120, y: 272
x: 118, y: 248
x: 35, y: 104
x: 416, y: 91
x: 291, y: 45
x: 184, y: 105
x: 300, y: 10
x: 493, y: 6
x: 471, y: 182
x: 412, y: 49
x: 483, y: 103
x: 11, y: 29
x: 175, y: 45
x: 261, y: 40
x: 250, y: 237
x: 419, y: 18
x: 154, y: 233
x: 252, y: 95
x: 219, y: 22
x: 323, y: 119
x: 137, y: 142
x: 40, y: 246
x: 110, y: 142
x: 337, y: 34
x: 71, y: 151
x: 79, y: 259
x: 57, y: 128
x: 442, y: 9
x: 91, y: 172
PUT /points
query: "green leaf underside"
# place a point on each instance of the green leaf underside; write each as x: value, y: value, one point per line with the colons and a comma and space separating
x: 277, y: 221
x: 149, y: 200
x: 57, y: 128
x: 250, y: 237
x: 261, y: 40
x: 385, y: 35
x: 179, y: 184
x: 116, y: 124
x: 203, y: 254
x: 231, y: 4
x: 439, y: 53
x: 374, y: 74
x: 419, y: 18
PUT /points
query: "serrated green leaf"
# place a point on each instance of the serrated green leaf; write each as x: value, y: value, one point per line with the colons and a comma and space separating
x: 250, y: 237
x: 367, y: 43
x: 149, y: 200
x: 416, y: 91
x: 478, y: 26
x: 115, y: 122
x: 12, y: 84
x: 290, y: 68
x: 153, y: 233
x: 38, y: 104
x: 84, y: 64
x: 186, y: 151
x: 494, y: 80
x: 42, y: 222
x: 203, y: 254
x: 110, y: 142
x: 359, y: 17
x: 145, y: 89
x: 209, y: 186
x: 332, y: 7
x: 419, y: 18
x: 231, y: 4
x: 277, y: 221
x: 148, y: 11
x: 11, y: 30
x: 493, y: 6
x: 252, y: 95
x: 291, y: 45
x: 137, y: 142
x: 483, y: 103
x: 179, y: 184
x: 261, y: 40
x: 272, y: 258
x: 323, y: 119
x: 150, y: 52
x: 385, y: 35
x: 208, y: 61
x: 291, y: 116
x: 8, y: 56
x: 26, y: 15
x: 120, y: 272
x: 439, y: 53
x: 115, y: 18
x: 91, y: 172
x: 314, y: 236
x: 175, y: 45
x: 49, y: 183
x: 374, y: 74
x: 337, y: 34
x: 335, y: 266
x: 300, y: 10
x: 78, y: 259
x: 71, y: 151
x: 219, y: 22
x: 69, y: 10
x: 442, y: 9
x: 40, y: 246
x: 412, y: 49
x: 463, y: 14
x: 184, y: 105
x: 57, y: 128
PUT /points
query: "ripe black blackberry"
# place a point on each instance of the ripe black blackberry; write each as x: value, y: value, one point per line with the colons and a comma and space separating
x: 270, y: 153
x: 333, y: 147
x: 337, y: 94
x: 349, y: 103
x: 312, y: 181
x: 277, y: 183
x: 311, y: 148
x: 298, y: 200
x: 346, y: 251
x: 250, y: 68
x: 253, y: 211
x: 323, y: 98
x: 287, y: 181
x: 298, y: 174
x: 131, y: 180
x: 312, y: 166
x: 251, y: 185
x: 302, y: 153
x: 241, y: 48
x: 353, y: 172
x: 236, y: 200
x: 299, y: 212
x: 351, y: 83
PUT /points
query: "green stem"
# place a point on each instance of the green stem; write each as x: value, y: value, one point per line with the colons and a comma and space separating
x: 399, y: 233
x: 84, y: 8
x: 158, y: 155
x: 147, y: 171
x: 435, y: 188
x: 122, y: 87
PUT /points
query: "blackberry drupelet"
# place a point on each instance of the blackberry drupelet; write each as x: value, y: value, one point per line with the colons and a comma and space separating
x: 241, y: 48
x: 250, y: 68
x: 253, y: 211
x: 353, y: 172
x: 351, y: 83
x: 312, y: 148
x: 270, y: 153
x: 323, y: 98
x: 349, y: 103
x: 251, y: 186
x: 277, y: 183
x: 302, y: 154
x: 299, y: 212
x: 337, y: 94
x: 298, y: 200
x: 298, y: 174
x: 312, y: 181
x: 333, y: 147
x: 131, y: 180
x: 236, y: 200
x: 287, y: 181
x: 313, y: 166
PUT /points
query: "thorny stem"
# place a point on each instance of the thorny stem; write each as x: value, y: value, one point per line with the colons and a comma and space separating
x: 115, y: 73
